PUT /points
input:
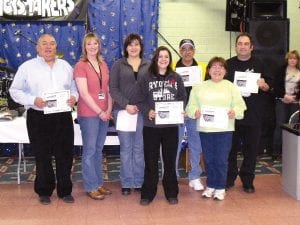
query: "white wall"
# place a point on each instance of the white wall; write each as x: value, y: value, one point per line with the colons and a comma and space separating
x: 204, y: 22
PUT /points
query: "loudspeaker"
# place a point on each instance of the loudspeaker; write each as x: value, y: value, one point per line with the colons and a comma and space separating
x: 270, y: 35
x: 271, y: 42
x: 236, y: 13
x: 267, y: 9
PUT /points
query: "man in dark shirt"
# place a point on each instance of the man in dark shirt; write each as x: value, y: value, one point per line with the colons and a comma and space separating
x: 247, y: 132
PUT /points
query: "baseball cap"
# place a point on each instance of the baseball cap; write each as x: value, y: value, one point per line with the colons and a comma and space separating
x: 184, y: 42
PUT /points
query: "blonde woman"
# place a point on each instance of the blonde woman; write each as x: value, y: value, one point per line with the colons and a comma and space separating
x: 286, y: 90
x: 94, y: 111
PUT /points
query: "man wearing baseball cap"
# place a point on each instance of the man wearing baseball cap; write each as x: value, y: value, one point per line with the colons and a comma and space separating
x: 187, y: 52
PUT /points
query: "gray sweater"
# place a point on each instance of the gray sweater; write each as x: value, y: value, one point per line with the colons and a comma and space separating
x: 122, y: 84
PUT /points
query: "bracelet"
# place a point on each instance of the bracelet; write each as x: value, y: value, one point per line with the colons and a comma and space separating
x: 99, y: 114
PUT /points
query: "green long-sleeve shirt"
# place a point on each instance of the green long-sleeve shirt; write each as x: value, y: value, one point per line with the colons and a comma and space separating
x: 216, y: 94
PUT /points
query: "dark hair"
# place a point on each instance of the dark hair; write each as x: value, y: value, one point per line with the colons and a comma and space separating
x: 212, y: 61
x: 244, y: 34
x: 129, y: 39
x: 154, y: 67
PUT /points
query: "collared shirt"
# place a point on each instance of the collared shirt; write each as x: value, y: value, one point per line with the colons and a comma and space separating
x: 35, y: 77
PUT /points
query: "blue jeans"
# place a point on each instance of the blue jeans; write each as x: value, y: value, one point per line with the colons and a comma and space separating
x: 132, y: 155
x: 93, y: 131
x: 216, y: 148
x: 194, y: 144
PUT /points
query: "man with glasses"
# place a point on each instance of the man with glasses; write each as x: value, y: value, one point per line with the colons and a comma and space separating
x: 187, y: 53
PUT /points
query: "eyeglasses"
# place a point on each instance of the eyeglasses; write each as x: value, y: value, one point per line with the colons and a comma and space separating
x: 188, y: 49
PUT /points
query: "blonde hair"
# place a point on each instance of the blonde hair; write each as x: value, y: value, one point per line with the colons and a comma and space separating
x: 293, y: 53
x: 86, y: 38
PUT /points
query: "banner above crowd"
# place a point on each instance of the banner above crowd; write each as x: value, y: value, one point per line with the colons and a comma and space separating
x: 50, y: 10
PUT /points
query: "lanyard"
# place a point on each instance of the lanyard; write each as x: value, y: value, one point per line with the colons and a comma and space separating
x: 99, y: 74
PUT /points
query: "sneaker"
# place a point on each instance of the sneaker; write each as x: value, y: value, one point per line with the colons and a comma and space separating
x: 219, y: 194
x: 196, y: 184
x: 208, y: 193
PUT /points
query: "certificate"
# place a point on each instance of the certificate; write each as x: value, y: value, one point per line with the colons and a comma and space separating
x: 169, y: 112
x: 56, y: 102
x: 191, y: 75
x: 214, y: 117
x: 246, y: 81
x: 126, y: 121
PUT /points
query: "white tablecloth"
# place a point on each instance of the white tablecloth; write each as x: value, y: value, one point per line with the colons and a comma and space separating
x: 15, y: 131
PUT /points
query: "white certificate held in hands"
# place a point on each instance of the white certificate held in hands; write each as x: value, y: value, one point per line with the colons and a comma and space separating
x: 246, y: 81
x: 56, y: 102
x: 126, y: 121
x: 169, y: 112
x: 214, y: 117
x: 191, y: 75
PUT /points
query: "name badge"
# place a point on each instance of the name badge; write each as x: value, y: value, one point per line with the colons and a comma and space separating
x: 101, y: 96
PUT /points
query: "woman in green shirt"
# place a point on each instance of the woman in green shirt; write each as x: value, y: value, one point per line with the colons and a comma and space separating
x: 216, y: 103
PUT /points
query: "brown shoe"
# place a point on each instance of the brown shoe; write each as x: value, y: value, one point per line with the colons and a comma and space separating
x: 96, y: 195
x: 104, y: 191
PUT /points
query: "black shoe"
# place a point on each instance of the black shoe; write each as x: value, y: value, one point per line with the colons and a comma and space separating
x: 44, y: 200
x: 173, y: 201
x: 138, y: 189
x: 144, y: 201
x: 126, y: 191
x: 249, y: 189
x: 68, y: 199
x: 229, y: 185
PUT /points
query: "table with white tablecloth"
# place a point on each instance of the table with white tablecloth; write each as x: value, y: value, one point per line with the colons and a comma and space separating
x: 15, y: 131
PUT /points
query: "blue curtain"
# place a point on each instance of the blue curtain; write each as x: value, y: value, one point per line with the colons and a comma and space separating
x: 112, y: 20
x: 17, y: 40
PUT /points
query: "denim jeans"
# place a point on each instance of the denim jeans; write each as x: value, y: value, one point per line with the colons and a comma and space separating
x: 93, y: 131
x: 216, y: 148
x: 132, y: 155
x: 194, y: 144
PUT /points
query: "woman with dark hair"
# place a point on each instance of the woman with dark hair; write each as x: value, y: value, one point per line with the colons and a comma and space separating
x: 286, y: 90
x: 124, y: 75
x: 216, y: 95
x: 94, y: 111
x: 161, y: 84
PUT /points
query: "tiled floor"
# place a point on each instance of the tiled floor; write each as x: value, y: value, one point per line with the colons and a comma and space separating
x: 270, y: 205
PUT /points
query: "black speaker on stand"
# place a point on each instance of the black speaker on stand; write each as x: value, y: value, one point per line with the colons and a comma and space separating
x: 269, y: 28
